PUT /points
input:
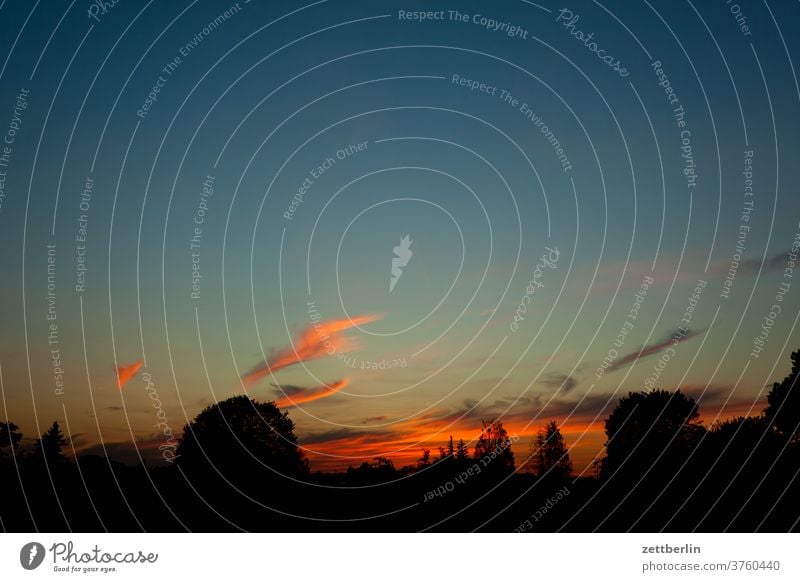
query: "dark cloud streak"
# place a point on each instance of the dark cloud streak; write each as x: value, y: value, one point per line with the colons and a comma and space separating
x: 673, y: 339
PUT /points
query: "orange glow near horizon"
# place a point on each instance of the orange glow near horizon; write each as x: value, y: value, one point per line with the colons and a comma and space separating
x: 403, y: 442
x: 406, y: 441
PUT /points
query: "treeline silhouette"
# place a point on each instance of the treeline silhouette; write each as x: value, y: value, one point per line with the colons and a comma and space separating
x: 239, y: 466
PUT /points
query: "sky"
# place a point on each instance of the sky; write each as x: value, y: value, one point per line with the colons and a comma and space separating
x: 205, y: 199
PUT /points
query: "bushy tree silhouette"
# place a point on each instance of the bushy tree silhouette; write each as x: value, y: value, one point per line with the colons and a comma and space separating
x: 494, y: 447
x: 240, y: 434
x: 742, y: 427
x: 550, y: 455
x: 9, y: 436
x: 783, y: 403
x: 424, y: 460
x: 646, y: 426
x: 380, y: 469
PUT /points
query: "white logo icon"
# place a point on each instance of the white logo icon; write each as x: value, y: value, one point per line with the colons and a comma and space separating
x: 403, y: 256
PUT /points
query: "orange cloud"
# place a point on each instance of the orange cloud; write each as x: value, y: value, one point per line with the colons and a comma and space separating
x: 125, y: 373
x: 320, y: 339
x: 311, y: 394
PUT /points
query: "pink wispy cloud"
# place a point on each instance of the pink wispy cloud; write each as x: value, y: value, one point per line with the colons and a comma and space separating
x: 302, y: 395
x: 320, y: 339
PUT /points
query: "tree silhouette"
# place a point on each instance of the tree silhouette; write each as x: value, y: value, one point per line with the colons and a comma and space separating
x: 240, y: 434
x: 442, y: 455
x: 9, y: 435
x: 663, y: 472
x: 424, y: 460
x: 380, y: 469
x: 783, y: 403
x: 494, y: 446
x: 462, y: 451
x: 550, y: 455
x: 745, y: 439
x: 49, y: 446
x: 728, y: 430
x: 646, y: 426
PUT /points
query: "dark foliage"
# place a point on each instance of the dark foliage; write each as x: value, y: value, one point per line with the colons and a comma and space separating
x: 783, y: 403
x: 550, y: 455
x: 239, y: 467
